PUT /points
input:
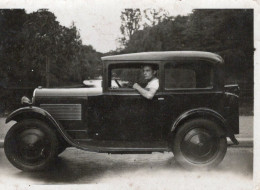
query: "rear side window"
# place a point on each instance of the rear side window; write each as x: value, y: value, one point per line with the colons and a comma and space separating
x: 188, y: 75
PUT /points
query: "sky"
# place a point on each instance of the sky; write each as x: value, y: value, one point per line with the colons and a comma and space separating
x: 99, y: 21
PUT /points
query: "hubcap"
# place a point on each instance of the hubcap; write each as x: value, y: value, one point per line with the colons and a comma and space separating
x: 32, y: 146
x: 199, y: 145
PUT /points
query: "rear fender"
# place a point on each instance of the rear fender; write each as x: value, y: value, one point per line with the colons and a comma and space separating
x: 208, y: 114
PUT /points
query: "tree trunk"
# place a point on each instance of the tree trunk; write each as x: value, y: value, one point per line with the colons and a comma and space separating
x: 47, y: 72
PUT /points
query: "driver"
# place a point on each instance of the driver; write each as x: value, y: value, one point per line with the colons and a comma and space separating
x: 153, y: 83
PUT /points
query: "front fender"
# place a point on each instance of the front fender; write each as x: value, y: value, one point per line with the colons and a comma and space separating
x: 208, y: 113
x: 32, y: 112
x: 18, y: 114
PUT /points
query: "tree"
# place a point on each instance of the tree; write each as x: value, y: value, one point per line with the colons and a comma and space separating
x: 231, y: 36
x: 130, y: 23
x: 36, y: 50
x: 11, y: 41
x: 52, y: 50
x: 154, y: 17
x: 228, y: 33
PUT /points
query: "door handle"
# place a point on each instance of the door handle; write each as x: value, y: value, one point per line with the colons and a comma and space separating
x: 160, y: 98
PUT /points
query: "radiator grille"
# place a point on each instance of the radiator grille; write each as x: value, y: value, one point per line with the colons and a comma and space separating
x: 63, y: 111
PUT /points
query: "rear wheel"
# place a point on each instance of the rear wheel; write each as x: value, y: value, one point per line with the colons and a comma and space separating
x: 31, y: 145
x: 199, y: 143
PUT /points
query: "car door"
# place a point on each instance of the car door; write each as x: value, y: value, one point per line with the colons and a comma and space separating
x: 129, y: 116
x: 187, y: 85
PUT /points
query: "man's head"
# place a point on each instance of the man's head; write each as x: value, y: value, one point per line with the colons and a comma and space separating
x: 149, y: 72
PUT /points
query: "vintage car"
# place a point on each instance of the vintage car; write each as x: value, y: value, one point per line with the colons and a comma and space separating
x: 192, y: 114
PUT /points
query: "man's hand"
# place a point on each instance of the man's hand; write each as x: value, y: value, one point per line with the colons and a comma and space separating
x: 149, y: 94
x: 136, y: 86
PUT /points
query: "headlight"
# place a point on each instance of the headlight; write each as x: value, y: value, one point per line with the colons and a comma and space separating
x: 25, y: 101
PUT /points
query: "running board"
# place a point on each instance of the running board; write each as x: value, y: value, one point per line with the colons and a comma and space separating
x: 120, y: 147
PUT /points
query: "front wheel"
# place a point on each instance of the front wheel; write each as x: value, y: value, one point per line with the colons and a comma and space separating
x: 199, y: 143
x: 31, y: 145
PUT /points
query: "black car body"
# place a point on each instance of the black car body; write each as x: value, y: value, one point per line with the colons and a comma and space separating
x: 191, y: 114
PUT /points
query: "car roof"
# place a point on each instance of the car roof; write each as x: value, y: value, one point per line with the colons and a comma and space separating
x: 164, y: 56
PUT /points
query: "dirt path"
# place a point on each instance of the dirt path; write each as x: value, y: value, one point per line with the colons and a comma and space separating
x: 138, y: 171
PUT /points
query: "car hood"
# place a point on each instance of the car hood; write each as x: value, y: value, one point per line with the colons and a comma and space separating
x: 67, y: 92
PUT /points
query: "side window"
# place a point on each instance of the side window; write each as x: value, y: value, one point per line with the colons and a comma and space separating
x: 188, y: 75
x: 123, y: 76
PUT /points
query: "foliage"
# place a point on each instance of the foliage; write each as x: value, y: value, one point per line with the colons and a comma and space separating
x: 154, y: 16
x: 11, y: 41
x: 130, y: 23
x: 226, y: 32
x: 37, y: 50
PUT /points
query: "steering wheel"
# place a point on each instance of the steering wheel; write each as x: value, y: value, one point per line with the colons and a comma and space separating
x: 118, y: 83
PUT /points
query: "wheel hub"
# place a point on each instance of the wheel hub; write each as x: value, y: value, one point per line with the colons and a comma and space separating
x: 198, y: 145
x: 31, y: 145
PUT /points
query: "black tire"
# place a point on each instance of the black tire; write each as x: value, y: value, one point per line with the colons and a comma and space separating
x: 199, y: 143
x: 31, y: 145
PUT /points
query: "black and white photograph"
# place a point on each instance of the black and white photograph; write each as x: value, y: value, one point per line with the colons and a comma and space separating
x: 129, y: 94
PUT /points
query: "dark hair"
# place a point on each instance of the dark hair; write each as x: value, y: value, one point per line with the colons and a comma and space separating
x: 153, y: 66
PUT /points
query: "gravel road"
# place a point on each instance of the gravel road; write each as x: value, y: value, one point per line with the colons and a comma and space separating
x: 158, y: 170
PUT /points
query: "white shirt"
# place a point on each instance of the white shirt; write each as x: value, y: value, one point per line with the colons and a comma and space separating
x: 153, y: 84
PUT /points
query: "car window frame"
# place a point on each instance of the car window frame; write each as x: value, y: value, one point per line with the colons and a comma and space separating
x: 177, y: 62
x: 131, y: 90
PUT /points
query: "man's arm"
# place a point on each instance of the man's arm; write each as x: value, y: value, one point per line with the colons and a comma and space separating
x: 149, y: 94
